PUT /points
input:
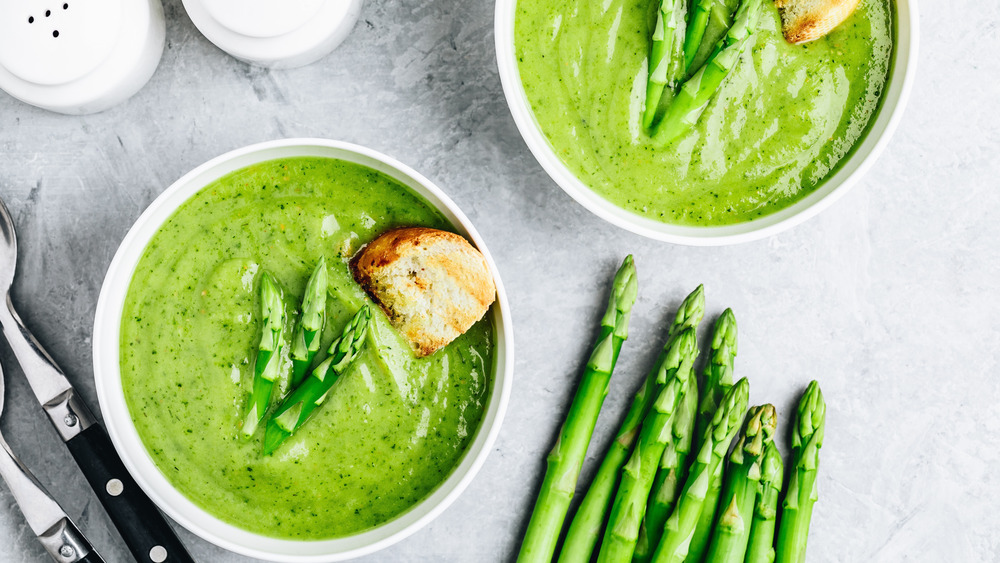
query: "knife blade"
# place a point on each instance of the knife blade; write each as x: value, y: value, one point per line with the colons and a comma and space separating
x: 50, y: 523
x: 52, y: 526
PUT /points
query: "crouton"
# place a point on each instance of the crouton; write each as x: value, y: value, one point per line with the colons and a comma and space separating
x: 806, y: 20
x: 433, y: 285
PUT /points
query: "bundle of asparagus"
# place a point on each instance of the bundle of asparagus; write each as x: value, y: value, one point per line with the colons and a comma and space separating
x: 306, y: 393
x: 661, y: 504
x: 675, y: 67
x: 296, y: 409
x: 586, y: 526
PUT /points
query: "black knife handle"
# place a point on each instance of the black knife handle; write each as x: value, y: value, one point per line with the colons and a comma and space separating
x: 91, y: 557
x: 145, y: 531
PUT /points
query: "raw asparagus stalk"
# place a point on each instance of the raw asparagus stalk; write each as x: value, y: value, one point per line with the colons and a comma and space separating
x: 760, y: 548
x: 268, y: 365
x: 732, y: 526
x: 669, y: 477
x: 637, y: 475
x: 703, y: 529
x: 796, y: 510
x: 296, y: 409
x: 566, y: 458
x: 666, y: 56
x: 585, y: 529
x: 719, y: 369
x: 306, y: 342
x: 680, y: 527
x: 695, y: 94
x: 718, y: 380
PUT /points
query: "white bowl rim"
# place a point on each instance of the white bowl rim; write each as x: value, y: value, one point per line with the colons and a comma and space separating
x: 851, y: 170
x: 125, y: 437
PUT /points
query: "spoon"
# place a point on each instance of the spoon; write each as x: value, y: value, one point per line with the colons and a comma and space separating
x: 54, y: 529
x: 145, y: 531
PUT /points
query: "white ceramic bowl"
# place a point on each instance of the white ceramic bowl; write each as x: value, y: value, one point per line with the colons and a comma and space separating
x: 123, y: 432
x: 900, y: 81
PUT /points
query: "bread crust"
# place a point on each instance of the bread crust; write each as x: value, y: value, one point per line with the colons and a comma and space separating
x: 432, y: 284
x: 807, y: 20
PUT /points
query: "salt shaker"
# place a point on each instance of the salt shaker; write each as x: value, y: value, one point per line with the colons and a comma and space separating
x: 275, y: 33
x: 78, y: 56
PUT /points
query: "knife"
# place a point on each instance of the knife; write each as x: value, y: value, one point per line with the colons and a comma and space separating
x: 53, y: 528
x: 145, y: 531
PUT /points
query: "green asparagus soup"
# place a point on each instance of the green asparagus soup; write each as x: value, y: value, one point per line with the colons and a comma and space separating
x: 783, y: 121
x: 393, y: 426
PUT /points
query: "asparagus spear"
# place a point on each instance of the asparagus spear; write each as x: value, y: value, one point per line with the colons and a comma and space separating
x: 718, y: 381
x: 695, y: 94
x: 567, y: 456
x: 669, y: 477
x: 267, y: 366
x: 637, y: 475
x: 305, y: 343
x: 719, y: 369
x: 760, y: 548
x: 732, y: 528
x: 697, y: 24
x: 713, y: 15
x: 295, y: 410
x: 585, y: 529
x: 680, y: 527
x: 666, y: 56
x: 796, y: 510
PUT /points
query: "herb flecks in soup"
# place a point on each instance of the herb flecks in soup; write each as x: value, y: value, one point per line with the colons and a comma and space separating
x: 393, y: 427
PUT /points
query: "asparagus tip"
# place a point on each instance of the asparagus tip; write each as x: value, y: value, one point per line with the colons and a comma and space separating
x: 811, y: 420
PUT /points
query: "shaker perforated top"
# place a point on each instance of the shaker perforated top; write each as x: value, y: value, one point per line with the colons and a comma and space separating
x: 275, y: 33
x: 78, y: 56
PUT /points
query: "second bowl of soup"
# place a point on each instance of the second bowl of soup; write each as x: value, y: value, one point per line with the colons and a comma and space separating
x: 789, y: 130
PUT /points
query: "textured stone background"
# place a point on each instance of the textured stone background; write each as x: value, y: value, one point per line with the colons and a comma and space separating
x: 888, y: 298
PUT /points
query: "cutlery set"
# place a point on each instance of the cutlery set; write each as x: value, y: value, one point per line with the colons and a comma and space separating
x: 146, y: 533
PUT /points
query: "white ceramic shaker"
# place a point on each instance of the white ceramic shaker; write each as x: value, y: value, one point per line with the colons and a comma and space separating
x: 78, y: 56
x: 275, y: 33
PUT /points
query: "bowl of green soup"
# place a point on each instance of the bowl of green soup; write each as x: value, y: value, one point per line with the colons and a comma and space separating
x: 790, y: 129
x: 396, y: 439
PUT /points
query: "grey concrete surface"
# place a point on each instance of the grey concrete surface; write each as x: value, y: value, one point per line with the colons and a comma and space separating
x: 889, y: 298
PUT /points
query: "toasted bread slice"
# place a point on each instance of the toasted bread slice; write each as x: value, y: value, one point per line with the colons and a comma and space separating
x: 432, y: 284
x: 806, y: 20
